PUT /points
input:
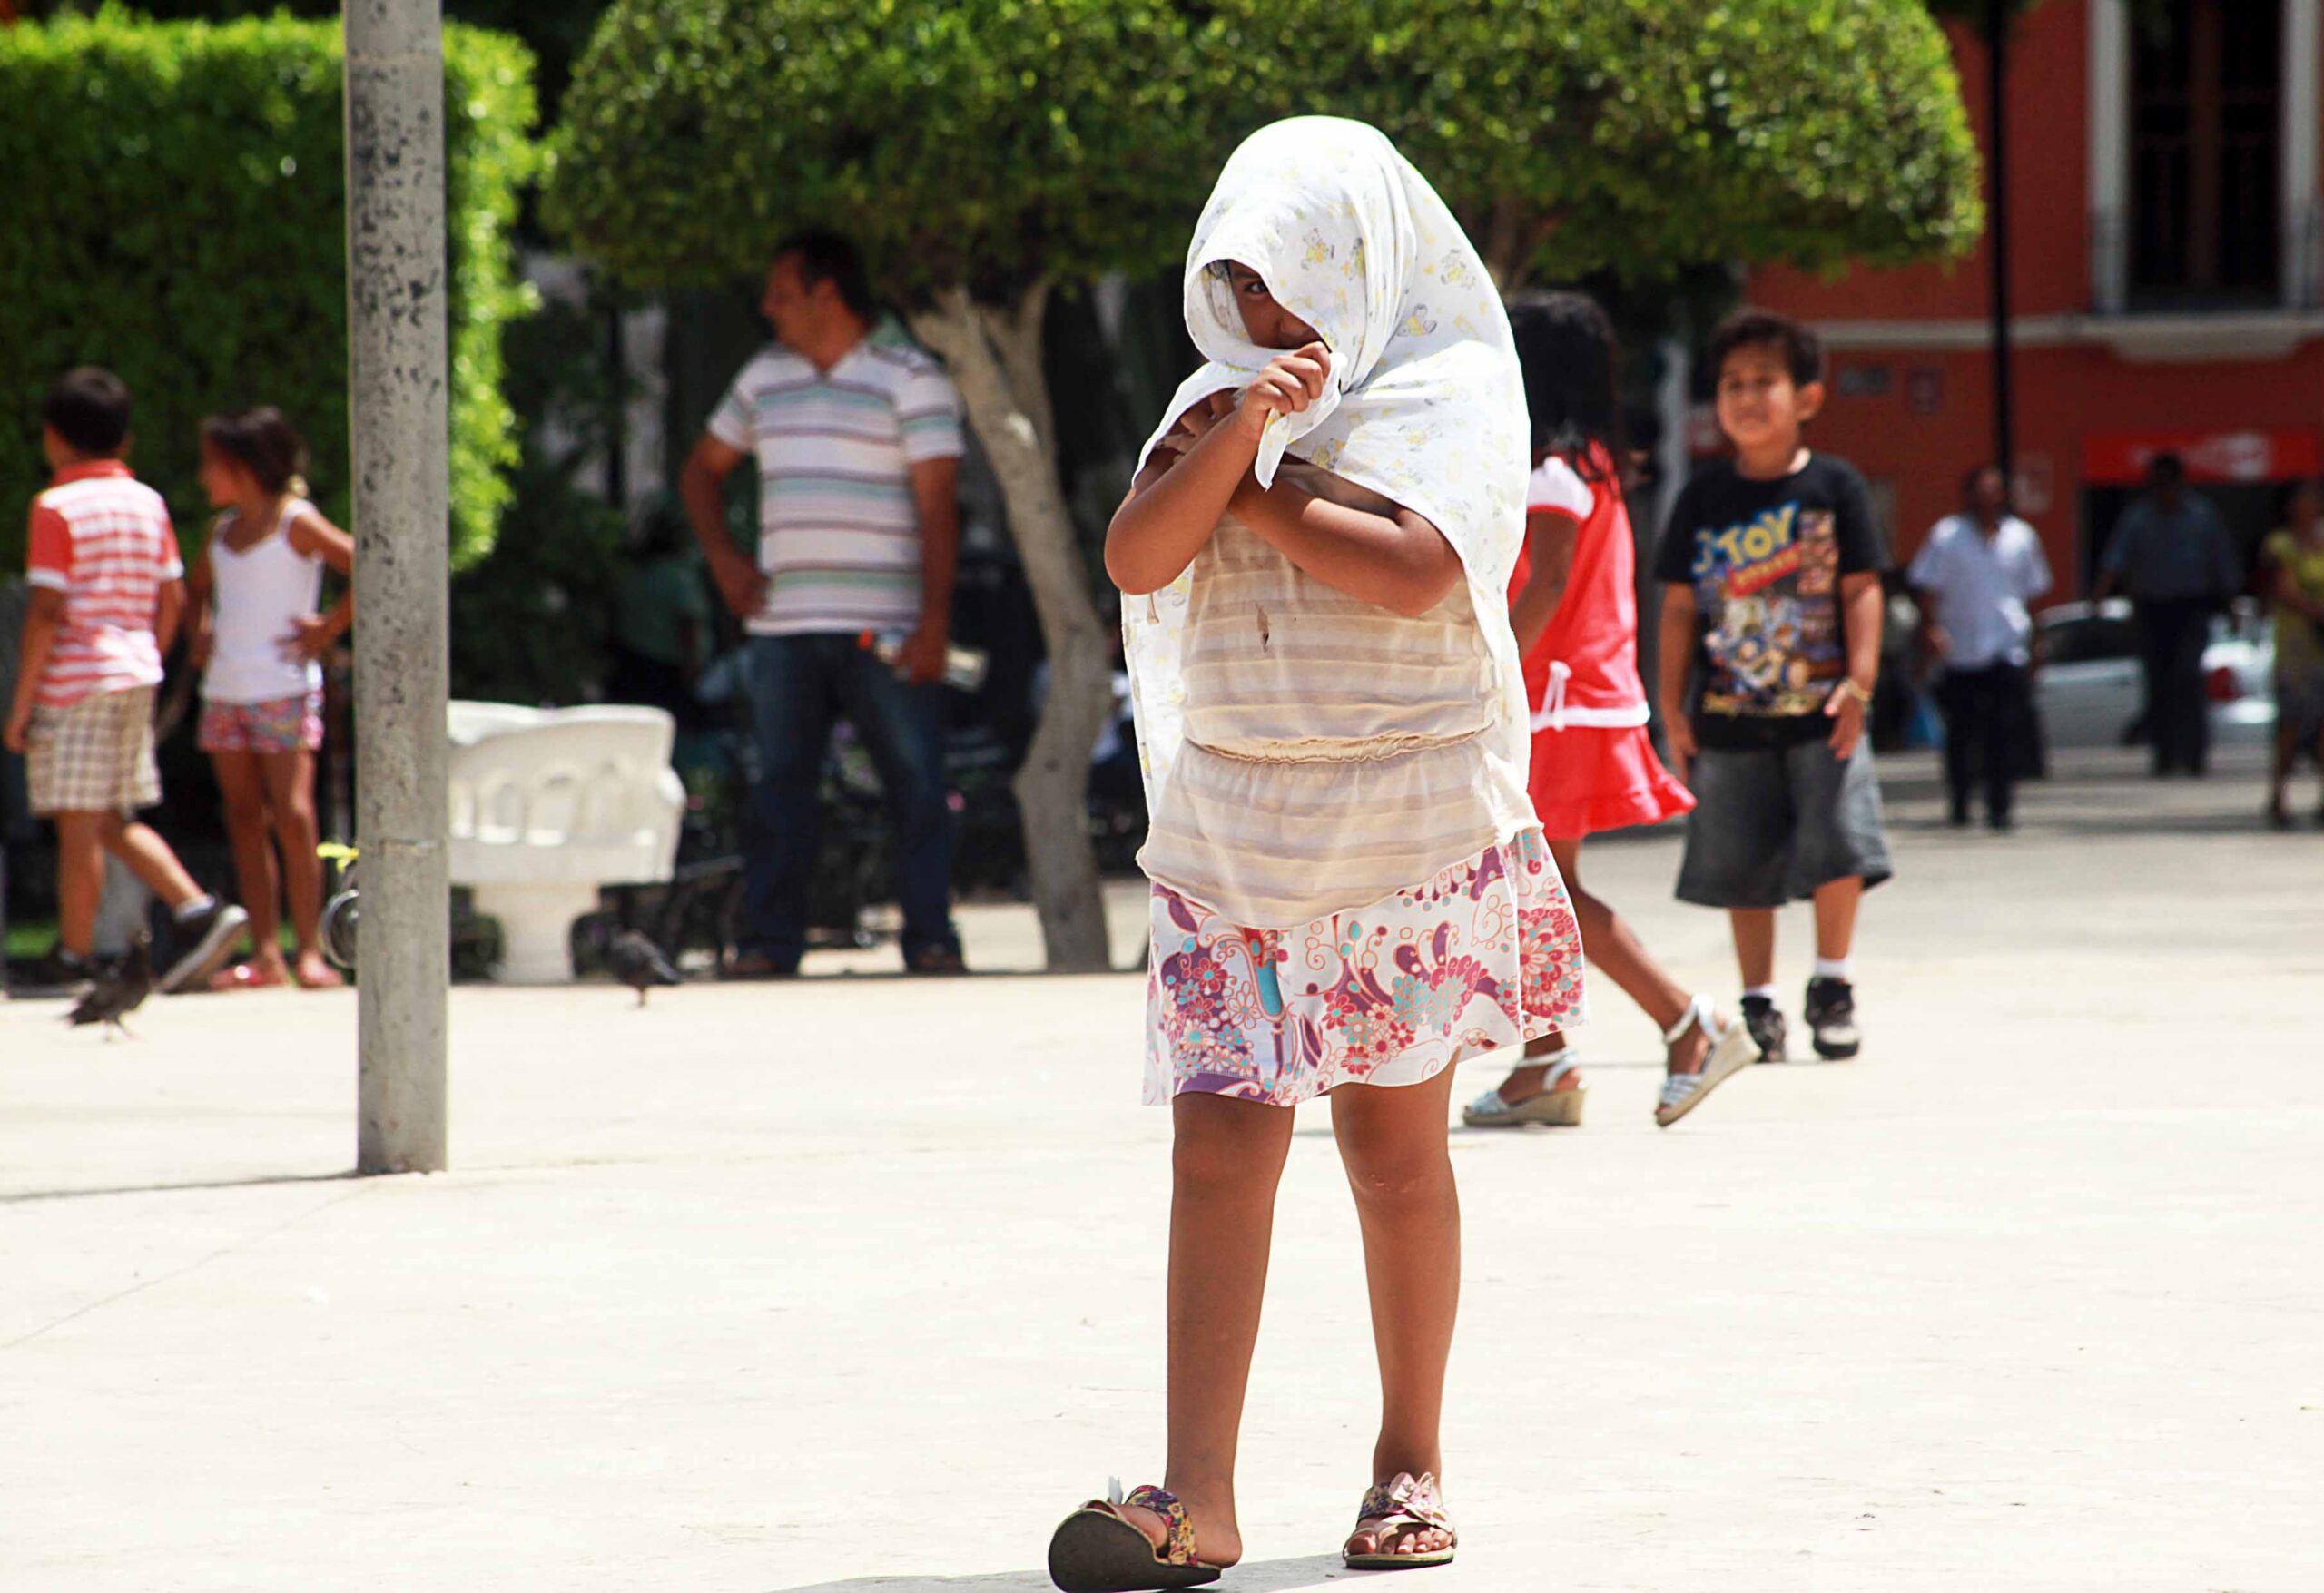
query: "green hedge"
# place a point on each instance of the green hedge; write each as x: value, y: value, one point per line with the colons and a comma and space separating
x: 176, y: 211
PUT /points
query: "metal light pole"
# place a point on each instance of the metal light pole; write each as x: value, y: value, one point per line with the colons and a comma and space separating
x: 1997, y: 164
x: 397, y: 415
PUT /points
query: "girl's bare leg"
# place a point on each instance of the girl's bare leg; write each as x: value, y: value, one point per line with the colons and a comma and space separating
x: 1226, y: 1161
x: 243, y: 784
x: 1615, y: 950
x: 1392, y: 1142
x: 291, y: 792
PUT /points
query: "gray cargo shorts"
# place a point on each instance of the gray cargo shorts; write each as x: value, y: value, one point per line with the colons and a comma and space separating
x: 1771, y: 824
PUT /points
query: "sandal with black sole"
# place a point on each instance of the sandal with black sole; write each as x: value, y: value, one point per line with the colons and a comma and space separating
x: 1095, y: 1550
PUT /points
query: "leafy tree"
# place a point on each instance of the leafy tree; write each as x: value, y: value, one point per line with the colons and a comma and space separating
x: 555, y: 32
x: 179, y: 218
x: 986, y: 150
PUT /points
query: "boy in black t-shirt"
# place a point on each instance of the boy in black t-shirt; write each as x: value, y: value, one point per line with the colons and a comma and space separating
x: 1771, y: 612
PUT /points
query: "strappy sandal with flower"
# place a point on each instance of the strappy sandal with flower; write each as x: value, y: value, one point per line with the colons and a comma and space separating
x: 1394, y: 1509
x: 1731, y: 1052
x: 1096, y: 1550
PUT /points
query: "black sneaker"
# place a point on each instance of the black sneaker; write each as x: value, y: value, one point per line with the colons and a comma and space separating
x: 202, y: 942
x: 59, y: 973
x: 1769, y: 1030
x: 1831, y: 1012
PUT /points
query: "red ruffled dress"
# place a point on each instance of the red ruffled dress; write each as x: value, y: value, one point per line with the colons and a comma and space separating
x: 1594, y: 765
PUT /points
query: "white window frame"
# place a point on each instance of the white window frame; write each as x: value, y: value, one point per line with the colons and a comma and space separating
x: 2302, y: 210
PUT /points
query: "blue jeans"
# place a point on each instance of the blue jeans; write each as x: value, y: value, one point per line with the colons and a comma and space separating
x: 797, y: 684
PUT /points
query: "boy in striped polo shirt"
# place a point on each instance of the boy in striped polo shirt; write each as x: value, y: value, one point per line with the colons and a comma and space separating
x: 858, y: 448
x: 107, y: 589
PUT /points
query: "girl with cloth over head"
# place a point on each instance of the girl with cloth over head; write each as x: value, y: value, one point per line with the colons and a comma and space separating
x: 1350, y: 895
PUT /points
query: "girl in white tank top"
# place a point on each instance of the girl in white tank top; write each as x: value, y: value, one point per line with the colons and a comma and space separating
x: 258, y: 639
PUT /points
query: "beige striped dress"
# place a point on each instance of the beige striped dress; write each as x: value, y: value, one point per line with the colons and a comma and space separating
x: 1350, y: 886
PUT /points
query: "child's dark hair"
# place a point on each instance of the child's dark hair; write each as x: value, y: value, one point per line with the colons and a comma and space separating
x: 1802, y: 351
x: 833, y: 256
x: 261, y: 442
x: 1570, y: 358
x: 89, y: 408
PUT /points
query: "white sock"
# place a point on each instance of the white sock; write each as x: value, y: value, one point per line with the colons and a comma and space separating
x: 1766, y: 992
x: 199, y: 905
x: 1835, y: 967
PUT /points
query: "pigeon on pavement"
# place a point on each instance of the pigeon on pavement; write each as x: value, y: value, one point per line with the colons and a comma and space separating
x: 119, y: 991
x: 638, y: 963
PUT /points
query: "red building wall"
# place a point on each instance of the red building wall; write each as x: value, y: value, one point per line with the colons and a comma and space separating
x: 1916, y: 417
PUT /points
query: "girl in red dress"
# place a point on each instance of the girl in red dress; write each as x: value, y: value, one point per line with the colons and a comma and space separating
x: 1574, y: 603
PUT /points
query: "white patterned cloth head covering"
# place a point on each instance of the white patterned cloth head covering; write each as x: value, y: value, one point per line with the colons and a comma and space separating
x: 1424, y: 404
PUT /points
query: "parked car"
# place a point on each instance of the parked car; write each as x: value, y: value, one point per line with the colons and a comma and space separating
x: 2091, y: 688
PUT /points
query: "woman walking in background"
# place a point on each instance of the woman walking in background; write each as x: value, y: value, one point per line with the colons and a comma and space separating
x: 1574, y: 607
x: 258, y: 640
x: 2294, y: 560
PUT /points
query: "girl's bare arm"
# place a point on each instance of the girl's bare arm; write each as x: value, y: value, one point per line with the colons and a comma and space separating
x: 199, y: 620
x: 317, y: 537
x: 1399, y: 561
x: 1173, y: 506
x: 1175, y: 503
x: 1549, y: 538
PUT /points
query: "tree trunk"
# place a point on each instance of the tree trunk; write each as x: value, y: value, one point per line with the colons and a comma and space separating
x: 1513, y: 236
x: 995, y: 356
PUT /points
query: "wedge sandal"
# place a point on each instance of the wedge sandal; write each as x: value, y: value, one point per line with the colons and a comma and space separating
x: 1732, y: 1049
x: 1096, y: 1550
x: 1557, y: 1108
x: 1394, y: 1509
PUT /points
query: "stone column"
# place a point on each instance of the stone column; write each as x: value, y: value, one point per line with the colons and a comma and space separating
x: 397, y: 376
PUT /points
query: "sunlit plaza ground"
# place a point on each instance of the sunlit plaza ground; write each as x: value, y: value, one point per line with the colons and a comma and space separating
x: 856, y: 1282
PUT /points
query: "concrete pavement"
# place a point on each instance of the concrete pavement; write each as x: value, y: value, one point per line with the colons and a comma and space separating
x: 856, y: 1282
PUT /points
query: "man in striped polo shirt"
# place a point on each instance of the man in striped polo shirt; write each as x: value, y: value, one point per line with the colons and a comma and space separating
x: 858, y: 448
x: 107, y: 589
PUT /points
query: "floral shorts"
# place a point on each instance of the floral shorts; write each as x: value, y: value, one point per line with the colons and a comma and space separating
x: 282, y: 724
x: 1485, y: 955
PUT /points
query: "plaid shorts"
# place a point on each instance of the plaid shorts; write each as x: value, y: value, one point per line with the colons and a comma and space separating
x: 282, y: 724
x: 94, y: 757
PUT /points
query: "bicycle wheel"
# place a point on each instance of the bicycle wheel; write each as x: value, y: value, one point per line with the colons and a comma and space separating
x: 338, y: 930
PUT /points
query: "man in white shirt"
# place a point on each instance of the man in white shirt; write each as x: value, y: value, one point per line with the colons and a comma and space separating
x: 1973, y: 578
x: 858, y: 448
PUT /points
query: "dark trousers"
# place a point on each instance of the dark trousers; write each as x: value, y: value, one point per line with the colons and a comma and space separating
x: 798, y: 685
x: 2172, y: 637
x: 1988, y: 723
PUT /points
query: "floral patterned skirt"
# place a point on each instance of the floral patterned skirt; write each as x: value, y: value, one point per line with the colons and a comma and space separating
x: 1485, y: 955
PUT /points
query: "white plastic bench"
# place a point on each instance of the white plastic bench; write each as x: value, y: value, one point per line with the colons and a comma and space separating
x: 550, y: 805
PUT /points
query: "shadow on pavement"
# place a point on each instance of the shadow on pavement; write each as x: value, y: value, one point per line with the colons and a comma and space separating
x: 1266, y: 1575
x: 2214, y: 824
x: 32, y: 1194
